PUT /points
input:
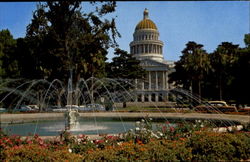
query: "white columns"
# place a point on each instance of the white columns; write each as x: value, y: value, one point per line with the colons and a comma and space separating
x: 156, y: 80
x: 156, y: 97
x: 149, y: 80
x: 163, y: 81
x: 166, y: 80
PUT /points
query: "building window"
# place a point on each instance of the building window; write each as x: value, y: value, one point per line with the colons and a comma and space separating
x: 146, y: 48
x: 153, y: 97
x: 160, y: 98
x: 146, y: 98
x: 139, y: 98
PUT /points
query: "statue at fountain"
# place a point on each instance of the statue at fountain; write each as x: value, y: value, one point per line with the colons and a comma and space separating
x: 71, y: 115
x: 71, y: 118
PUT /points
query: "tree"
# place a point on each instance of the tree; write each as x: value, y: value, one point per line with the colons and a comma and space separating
x: 8, y: 62
x: 241, y: 87
x: 222, y: 61
x: 125, y: 66
x: 192, y: 68
x: 72, y: 40
x: 247, y: 40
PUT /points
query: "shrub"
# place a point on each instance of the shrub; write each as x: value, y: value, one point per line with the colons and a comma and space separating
x: 35, y: 152
x: 156, y: 150
x: 211, y: 146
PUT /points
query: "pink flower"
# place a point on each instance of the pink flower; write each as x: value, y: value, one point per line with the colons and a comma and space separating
x: 29, y: 142
x: 81, y: 136
x: 164, y: 128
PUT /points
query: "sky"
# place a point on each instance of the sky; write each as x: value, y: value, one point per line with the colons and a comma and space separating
x: 205, y: 22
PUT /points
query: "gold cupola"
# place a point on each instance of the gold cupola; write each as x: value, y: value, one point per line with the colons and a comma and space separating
x: 146, y: 23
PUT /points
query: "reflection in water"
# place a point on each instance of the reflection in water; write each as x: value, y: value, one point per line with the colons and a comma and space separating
x: 54, y: 127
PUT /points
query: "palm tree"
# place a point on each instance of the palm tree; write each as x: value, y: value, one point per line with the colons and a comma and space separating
x: 221, y: 60
x: 196, y: 63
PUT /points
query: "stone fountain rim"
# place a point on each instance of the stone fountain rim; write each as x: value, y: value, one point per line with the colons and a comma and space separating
x: 25, y: 117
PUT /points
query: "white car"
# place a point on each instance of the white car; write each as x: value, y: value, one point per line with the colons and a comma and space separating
x: 82, y: 108
x: 94, y: 107
x: 3, y: 110
x: 72, y: 106
x: 59, y: 110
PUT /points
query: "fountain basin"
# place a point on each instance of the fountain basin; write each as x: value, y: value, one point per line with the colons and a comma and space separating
x: 102, y: 122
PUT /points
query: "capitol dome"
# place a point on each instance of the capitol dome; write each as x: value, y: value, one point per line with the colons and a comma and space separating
x: 146, y: 23
x: 146, y: 43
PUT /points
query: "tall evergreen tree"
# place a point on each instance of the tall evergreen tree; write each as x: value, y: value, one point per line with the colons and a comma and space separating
x: 8, y: 61
x: 71, y: 40
x: 125, y: 66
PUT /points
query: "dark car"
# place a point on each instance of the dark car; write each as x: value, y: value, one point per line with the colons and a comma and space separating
x: 215, y: 106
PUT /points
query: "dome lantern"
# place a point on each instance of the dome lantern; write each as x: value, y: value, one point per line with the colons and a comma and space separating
x: 145, y: 14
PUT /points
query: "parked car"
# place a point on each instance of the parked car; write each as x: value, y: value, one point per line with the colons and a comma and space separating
x: 25, y: 108
x: 71, y: 106
x: 216, y: 106
x: 81, y: 108
x: 3, y: 110
x: 94, y: 107
x: 35, y: 107
x: 245, y: 108
x: 60, y: 110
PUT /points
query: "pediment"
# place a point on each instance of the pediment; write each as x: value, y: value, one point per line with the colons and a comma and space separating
x: 152, y: 63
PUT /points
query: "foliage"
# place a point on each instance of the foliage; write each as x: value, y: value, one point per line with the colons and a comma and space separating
x: 192, y: 68
x: 128, y: 151
x: 8, y: 62
x: 220, y: 75
x: 210, y: 146
x: 65, y: 38
x: 198, y: 145
x: 182, y: 130
x: 35, y: 152
x: 143, y: 131
x: 222, y: 61
x: 125, y: 66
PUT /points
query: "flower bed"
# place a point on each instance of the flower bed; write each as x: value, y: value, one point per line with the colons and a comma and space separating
x: 186, y: 142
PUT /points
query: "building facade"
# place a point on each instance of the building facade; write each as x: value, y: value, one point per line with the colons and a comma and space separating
x: 147, y: 48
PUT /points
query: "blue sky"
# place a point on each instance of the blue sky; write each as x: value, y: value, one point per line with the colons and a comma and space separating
x: 208, y: 23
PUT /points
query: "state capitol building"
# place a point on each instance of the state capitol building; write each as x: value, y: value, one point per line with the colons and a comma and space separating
x: 147, y: 48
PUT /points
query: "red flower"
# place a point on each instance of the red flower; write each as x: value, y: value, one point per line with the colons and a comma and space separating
x: 164, y: 128
x: 171, y: 129
x: 98, y: 141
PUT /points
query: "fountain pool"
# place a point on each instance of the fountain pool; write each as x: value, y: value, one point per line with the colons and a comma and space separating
x: 55, y: 127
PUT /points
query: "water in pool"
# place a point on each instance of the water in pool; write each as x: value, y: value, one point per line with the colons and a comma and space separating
x: 54, y: 127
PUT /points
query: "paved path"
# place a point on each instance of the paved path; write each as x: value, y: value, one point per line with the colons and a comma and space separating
x: 17, y: 118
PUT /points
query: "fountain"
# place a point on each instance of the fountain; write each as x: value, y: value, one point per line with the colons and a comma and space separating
x: 105, y: 91
x: 71, y: 115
